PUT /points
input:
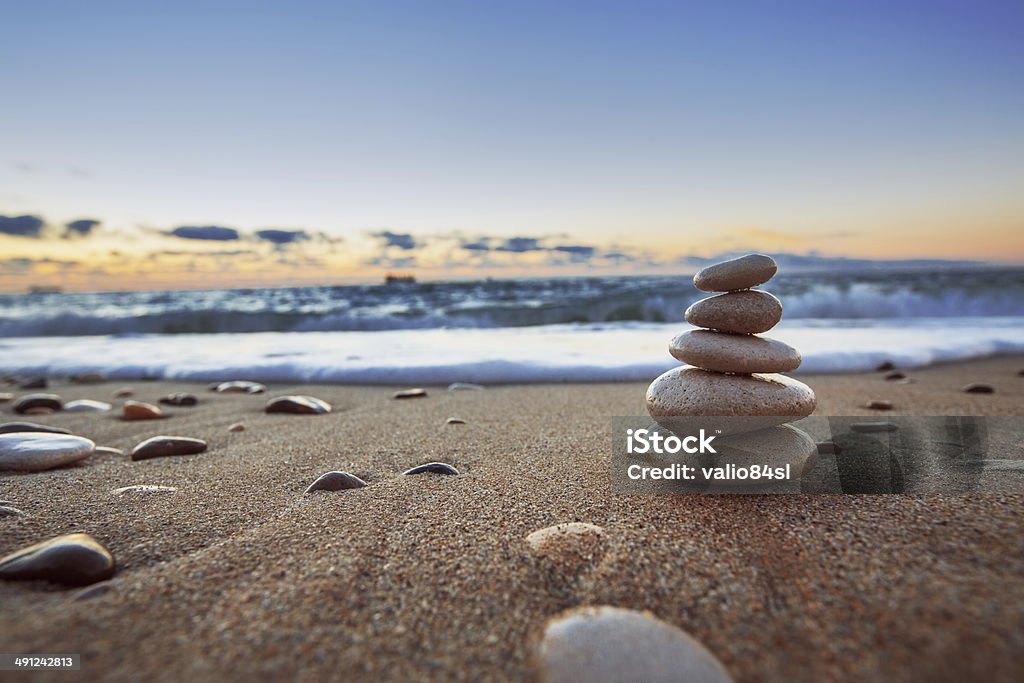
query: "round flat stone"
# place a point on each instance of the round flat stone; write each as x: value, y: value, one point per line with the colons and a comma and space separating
x: 30, y: 401
x: 772, y: 447
x: 746, y: 312
x: 87, y: 405
x: 686, y: 398
x: 336, y: 481
x: 298, y: 405
x: 8, y: 427
x: 741, y: 353
x: 74, y: 559
x: 137, y: 410
x: 36, y: 451
x: 739, y: 273
x: 240, y: 387
x: 164, y: 446
x: 602, y: 644
x: 432, y: 468
x: 410, y: 393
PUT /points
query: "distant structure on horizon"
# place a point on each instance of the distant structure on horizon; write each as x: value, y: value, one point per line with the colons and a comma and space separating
x: 394, y: 279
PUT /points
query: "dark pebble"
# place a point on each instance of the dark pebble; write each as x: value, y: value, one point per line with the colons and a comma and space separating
x: 12, y: 427
x: 432, y: 468
x: 179, y: 400
x: 454, y: 421
x: 35, y: 383
x: 980, y: 389
x: 30, y: 401
x: 873, y: 427
x: 827, y: 448
x: 298, y: 405
x: 336, y: 481
x: 410, y: 393
x: 10, y: 511
x: 880, y: 405
x: 896, y: 374
x: 163, y: 446
x: 74, y: 559
x: 886, y: 366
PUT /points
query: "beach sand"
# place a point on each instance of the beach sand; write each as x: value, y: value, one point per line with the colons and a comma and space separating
x: 239, y: 575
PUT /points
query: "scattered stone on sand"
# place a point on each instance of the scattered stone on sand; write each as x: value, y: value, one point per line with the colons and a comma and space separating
x: 737, y: 353
x: 237, y: 427
x: 454, y: 421
x: 571, y: 546
x: 5, y: 397
x: 94, y: 591
x: 73, y: 559
x: 410, y: 393
x: 879, y: 405
x: 87, y: 378
x: 979, y: 389
x: 164, y: 446
x: 745, y: 312
x: 10, y: 427
x: 885, y: 366
x: 143, y: 488
x: 107, y: 450
x: 298, y: 405
x: 895, y: 375
x: 30, y: 401
x: 137, y: 410
x: 686, y: 391
x: 35, y: 383
x: 605, y: 644
x: 336, y: 481
x: 465, y: 386
x: 10, y: 511
x: 37, y: 451
x: 124, y: 392
x: 86, y: 405
x: 240, y: 387
x: 179, y: 400
x: 827, y: 448
x: 432, y: 468
x: 873, y: 427
x: 737, y: 274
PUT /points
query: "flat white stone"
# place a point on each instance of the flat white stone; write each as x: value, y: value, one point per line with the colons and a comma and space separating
x: 86, y: 405
x: 34, y: 451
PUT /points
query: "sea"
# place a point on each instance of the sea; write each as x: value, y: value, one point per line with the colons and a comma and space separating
x: 498, y: 330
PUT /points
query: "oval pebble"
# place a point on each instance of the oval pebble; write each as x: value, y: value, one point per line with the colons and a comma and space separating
x: 432, y: 468
x: 165, y: 446
x: 336, y: 481
x: 240, y: 387
x: 747, y: 312
x: 179, y: 400
x: 9, y: 427
x: 879, y: 405
x: 739, y: 353
x: 454, y: 421
x: 73, y: 559
x: 87, y: 405
x: 237, y: 427
x: 298, y: 405
x: 895, y: 375
x: 598, y: 644
x: 410, y: 393
x: 979, y: 389
x: 31, y: 401
x: 738, y: 273
x: 36, y: 451
x: 137, y: 410
x: 143, y: 488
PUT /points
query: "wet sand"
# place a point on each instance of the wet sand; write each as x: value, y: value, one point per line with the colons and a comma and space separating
x: 239, y: 575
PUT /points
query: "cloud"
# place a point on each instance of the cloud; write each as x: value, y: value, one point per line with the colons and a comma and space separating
x: 21, y: 226
x: 81, y: 228
x: 282, y: 236
x: 580, y: 251
x: 209, y: 232
x: 400, y: 240
x: 520, y: 245
x: 479, y: 245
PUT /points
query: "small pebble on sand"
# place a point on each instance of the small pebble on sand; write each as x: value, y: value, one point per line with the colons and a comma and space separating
x: 164, y: 446
x: 571, y: 546
x: 454, y: 421
x: 5, y: 397
x: 86, y: 405
x: 30, y: 401
x: 298, y: 405
x: 179, y: 400
x: 410, y: 393
x: 879, y: 405
x: 73, y: 559
x: 895, y: 375
x: 979, y: 389
x: 124, y: 392
x: 336, y: 481
x: 239, y: 387
x: 237, y: 427
x: 137, y: 410
x: 432, y: 468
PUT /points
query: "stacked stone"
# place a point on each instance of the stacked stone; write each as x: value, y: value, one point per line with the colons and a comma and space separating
x: 731, y: 385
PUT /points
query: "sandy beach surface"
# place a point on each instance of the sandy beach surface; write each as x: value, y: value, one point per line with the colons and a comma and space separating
x: 238, y: 575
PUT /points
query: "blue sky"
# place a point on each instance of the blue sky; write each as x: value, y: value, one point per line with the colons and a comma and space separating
x: 642, y: 125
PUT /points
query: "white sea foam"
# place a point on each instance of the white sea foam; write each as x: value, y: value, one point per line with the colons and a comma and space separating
x: 554, y: 353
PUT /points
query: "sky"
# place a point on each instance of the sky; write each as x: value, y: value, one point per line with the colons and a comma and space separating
x: 239, y: 143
